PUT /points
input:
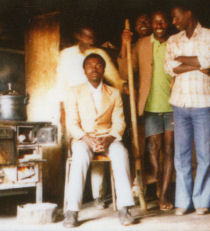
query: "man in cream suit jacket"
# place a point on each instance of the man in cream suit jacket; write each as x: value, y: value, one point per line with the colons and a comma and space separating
x: 71, y: 73
x: 96, y: 123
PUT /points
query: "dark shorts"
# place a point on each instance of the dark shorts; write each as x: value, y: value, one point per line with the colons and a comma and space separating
x: 157, y: 123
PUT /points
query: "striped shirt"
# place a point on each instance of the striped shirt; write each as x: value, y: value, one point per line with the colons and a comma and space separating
x: 191, y: 89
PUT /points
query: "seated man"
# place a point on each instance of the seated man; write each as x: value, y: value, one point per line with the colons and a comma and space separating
x: 97, y: 124
x: 71, y: 73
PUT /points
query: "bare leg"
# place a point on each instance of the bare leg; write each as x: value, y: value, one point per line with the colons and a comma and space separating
x: 154, y: 145
x: 168, y: 166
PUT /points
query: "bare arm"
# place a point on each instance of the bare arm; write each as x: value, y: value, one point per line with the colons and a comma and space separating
x: 126, y: 37
x: 189, y: 60
x: 189, y: 63
x: 122, y: 59
x: 182, y: 68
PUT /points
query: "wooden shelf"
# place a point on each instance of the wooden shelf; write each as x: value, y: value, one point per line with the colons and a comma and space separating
x: 5, y: 186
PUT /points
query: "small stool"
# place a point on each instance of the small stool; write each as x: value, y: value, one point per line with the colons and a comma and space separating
x: 97, y: 158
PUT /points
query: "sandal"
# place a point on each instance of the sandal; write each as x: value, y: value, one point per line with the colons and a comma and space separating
x: 166, y: 206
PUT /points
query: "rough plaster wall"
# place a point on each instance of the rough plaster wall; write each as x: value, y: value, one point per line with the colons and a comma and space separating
x: 41, y: 55
x: 42, y: 40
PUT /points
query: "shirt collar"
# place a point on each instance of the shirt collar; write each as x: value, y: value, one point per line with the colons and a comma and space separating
x: 95, y: 90
x: 195, y: 32
x: 154, y: 40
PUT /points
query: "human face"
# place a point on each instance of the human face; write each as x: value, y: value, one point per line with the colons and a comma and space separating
x: 180, y: 18
x: 159, y: 26
x: 86, y: 38
x: 94, y: 70
x: 143, y: 25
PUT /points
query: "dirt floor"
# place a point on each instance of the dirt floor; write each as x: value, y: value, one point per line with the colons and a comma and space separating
x: 92, y: 219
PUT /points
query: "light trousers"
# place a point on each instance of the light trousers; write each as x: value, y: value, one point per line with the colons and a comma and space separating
x: 97, y: 175
x: 81, y: 158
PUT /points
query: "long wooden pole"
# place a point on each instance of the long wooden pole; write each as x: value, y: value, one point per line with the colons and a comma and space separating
x: 135, y: 140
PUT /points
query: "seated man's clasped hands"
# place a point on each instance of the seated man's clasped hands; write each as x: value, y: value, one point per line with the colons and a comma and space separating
x: 97, y: 143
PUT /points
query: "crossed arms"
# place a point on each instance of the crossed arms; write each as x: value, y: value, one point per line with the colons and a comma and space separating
x: 189, y: 63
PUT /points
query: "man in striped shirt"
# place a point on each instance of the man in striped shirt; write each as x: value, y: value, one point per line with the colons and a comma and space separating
x: 188, y: 61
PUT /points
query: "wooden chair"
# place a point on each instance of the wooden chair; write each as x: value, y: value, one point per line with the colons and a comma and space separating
x: 97, y: 158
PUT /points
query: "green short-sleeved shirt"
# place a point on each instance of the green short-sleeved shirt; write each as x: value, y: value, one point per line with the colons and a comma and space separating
x: 160, y: 87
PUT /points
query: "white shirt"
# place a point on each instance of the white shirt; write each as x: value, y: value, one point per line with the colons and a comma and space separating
x: 97, y: 95
x: 191, y: 89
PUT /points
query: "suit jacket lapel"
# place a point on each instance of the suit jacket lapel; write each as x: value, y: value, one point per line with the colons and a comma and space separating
x: 88, y: 100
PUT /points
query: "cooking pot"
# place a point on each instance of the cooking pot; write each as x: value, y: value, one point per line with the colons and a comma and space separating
x: 13, y: 107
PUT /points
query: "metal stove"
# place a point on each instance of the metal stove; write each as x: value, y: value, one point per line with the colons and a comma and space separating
x: 21, y: 159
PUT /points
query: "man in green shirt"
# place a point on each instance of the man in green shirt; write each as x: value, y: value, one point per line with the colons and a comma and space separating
x: 154, y: 91
x: 157, y: 101
x: 158, y: 112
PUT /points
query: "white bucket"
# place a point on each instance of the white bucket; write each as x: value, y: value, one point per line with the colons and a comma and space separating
x: 38, y: 213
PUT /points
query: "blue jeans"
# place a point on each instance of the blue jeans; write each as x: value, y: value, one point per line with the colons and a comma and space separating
x: 192, y: 123
x: 158, y: 123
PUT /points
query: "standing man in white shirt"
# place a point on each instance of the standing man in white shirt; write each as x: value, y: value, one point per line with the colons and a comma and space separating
x: 188, y: 61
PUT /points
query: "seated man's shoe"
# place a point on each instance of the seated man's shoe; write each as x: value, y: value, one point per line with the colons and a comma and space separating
x: 99, y: 203
x: 71, y: 219
x: 125, y: 217
x: 180, y: 211
x: 202, y: 211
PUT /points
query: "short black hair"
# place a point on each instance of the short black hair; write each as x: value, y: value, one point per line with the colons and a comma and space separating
x: 185, y: 5
x: 94, y: 55
x: 80, y: 29
x: 140, y: 15
x: 164, y: 13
